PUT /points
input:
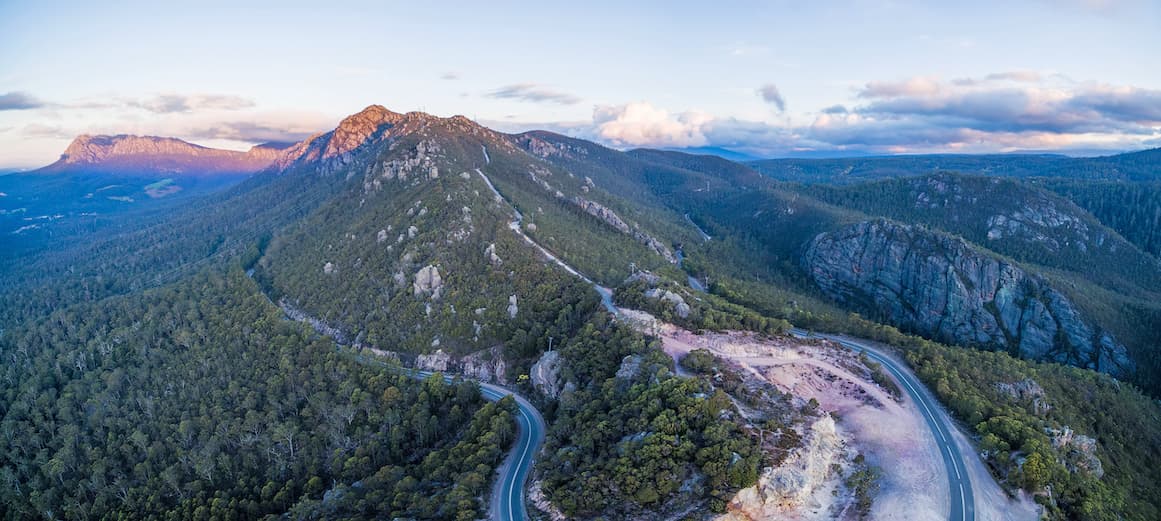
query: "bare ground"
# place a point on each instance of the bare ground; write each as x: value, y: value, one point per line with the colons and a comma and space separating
x: 889, y: 432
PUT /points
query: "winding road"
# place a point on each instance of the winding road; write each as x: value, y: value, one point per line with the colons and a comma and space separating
x: 959, y: 483
x: 508, y: 492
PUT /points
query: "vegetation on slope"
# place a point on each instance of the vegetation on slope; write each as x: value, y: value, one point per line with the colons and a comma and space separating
x: 1132, y: 209
x: 198, y: 400
x: 633, y: 439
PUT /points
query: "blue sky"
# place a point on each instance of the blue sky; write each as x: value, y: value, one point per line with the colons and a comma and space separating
x: 765, y: 78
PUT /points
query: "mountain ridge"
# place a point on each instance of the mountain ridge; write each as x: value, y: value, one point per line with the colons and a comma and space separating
x: 127, y: 153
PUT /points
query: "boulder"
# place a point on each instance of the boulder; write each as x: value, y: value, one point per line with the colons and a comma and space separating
x: 428, y: 282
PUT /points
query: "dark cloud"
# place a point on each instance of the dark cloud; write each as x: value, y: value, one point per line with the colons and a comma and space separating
x: 1038, y: 109
x: 771, y: 95
x: 533, y: 93
x: 835, y: 109
x: 171, y: 103
x: 17, y: 100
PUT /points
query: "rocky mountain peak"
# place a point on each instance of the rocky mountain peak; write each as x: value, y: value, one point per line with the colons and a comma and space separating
x: 358, y: 128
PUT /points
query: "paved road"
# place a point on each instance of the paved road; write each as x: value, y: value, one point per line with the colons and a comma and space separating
x: 508, y: 491
x: 959, y: 483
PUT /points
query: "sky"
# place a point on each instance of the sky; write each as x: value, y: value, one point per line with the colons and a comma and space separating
x: 768, y: 79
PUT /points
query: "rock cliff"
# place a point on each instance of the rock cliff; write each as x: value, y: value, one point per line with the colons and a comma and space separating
x: 942, y: 288
x: 137, y: 154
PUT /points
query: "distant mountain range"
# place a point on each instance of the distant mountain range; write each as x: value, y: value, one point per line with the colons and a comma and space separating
x: 1131, y: 166
x: 125, y: 154
x: 99, y: 178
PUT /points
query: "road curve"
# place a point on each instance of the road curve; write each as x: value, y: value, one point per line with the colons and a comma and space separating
x: 508, y: 502
x: 959, y: 482
x: 508, y: 492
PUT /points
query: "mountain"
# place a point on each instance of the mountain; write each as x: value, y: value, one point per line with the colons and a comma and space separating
x: 716, y: 151
x: 436, y: 242
x: 99, y: 181
x: 447, y: 246
x: 1133, y: 166
x: 126, y: 154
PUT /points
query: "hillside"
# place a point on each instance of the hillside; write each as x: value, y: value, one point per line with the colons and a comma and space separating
x: 385, y: 233
x: 1133, y: 166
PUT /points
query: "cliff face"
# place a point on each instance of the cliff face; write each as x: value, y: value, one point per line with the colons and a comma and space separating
x: 137, y: 154
x: 944, y: 289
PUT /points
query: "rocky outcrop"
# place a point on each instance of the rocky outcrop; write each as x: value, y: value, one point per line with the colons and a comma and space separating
x: 1028, y: 392
x: 487, y: 365
x: 490, y: 254
x: 1077, y: 451
x: 428, y: 282
x: 790, y: 485
x: 138, y: 154
x: 680, y: 308
x: 944, y: 289
x: 512, y: 307
x: 545, y: 374
x: 611, y: 218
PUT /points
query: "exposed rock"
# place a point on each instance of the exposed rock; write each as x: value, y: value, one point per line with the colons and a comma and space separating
x: 328, y: 268
x: 944, y: 289
x: 1026, y: 390
x: 791, y: 484
x: 428, y: 282
x: 382, y: 236
x: 673, y: 299
x: 490, y: 254
x: 512, y: 308
x: 537, y: 498
x: 644, y: 276
x: 545, y: 374
x: 630, y: 365
x: 1077, y: 450
x: 156, y: 154
x: 487, y: 365
x: 601, y: 212
x: 411, y: 231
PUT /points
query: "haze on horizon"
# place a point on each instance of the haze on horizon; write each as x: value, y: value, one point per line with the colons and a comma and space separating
x: 765, y: 79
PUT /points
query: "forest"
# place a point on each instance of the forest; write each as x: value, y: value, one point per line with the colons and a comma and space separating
x: 635, y: 439
x: 199, y: 400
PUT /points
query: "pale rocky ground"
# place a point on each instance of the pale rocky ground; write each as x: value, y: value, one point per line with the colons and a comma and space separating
x: 890, y: 433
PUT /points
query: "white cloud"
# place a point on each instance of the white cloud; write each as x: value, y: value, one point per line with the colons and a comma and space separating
x: 642, y: 124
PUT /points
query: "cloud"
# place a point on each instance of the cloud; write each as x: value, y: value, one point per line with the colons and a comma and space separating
x: 918, y: 86
x: 1033, y: 105
x: 253, y: 132
x: 533, y: 93
x: 17, y: 100
x: 171, y: 103
x: 642, y: 124
x: 37, y: 130
x: 771, y: 95
x: 450, y: 76
x: 998, y: 112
